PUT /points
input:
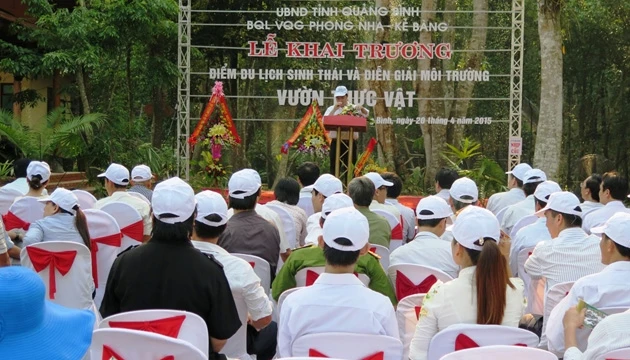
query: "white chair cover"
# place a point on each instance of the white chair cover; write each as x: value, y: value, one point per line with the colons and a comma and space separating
x: 500, y: 214
x: 383, y: 252
x: 283, y: 297
x: 129, y: 220
x: 445, y: 341
x: 86, y: 199
x: 303, y: 358
x: 394, y: 223
x: 527, y: 220
x: 27, y: 209
x: 236, y: 346
x: 621, y: 354
x: 261, y: 268
x: 416, y: 273
x: 307, y: 276
x: 288, y: 224
x: 500, y: 352
x: 7, y: 196
x: 106, y: 242
x: 175, y: 324
x: 407, y: 314
x: 347, y: 346
x: 139, y: 196
x: 553, y: 297
x: 140, y: 345
x: 534, y: 289
x: 74, y: 289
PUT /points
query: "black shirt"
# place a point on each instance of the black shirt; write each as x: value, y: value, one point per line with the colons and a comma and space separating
x: 169, y: 275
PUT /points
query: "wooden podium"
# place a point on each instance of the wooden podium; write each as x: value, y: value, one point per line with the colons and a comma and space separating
x: 344, y: 145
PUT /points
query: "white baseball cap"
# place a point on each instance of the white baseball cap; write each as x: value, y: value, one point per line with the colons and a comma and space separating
x: 464, y: 187
x: 378, y: 180
x: 520, y: 170
x: 545, y: 189
x: 173, y: 196
x: 208, y: 203
x: 246, y: 182
x: 335, y: 202
x: 472, y: 225
x: 617, y: 228
x: 141, y: 173
x: 63, y: 198
x: 341, y: 91
x: 563, y: 202
x: 327, y: 185
x: 117, y: 174
x: 346, y: 223
x: 534, y: 175
x: 40, y: 168
x: 433, y: 207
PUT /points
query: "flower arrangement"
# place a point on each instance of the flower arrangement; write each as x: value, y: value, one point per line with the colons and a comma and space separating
x: 309, y: 137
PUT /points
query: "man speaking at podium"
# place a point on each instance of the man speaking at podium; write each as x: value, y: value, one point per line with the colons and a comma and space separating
x: 343, y: 107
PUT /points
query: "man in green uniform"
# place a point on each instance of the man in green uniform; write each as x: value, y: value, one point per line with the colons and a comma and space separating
x: 362, y: 190
x: 313, y: 256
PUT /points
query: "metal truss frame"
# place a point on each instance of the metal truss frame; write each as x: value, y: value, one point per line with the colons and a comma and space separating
x: 516, y: 77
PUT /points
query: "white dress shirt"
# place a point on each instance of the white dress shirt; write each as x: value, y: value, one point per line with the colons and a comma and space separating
x: 426, y: 249
x: 600, y: 216
x: 19, y: 184
x: 273, y: 218
x: 605, y: 289
x: 455, y: 302
x: 409, y: 218
x: 610, y: 334
x: 570, y: 256
x: 502, y: 200
x: 444, y: 194
x: 313, y: 230
x: 140, y: 205
x: 589, y: 206
x: 306, y: 200
x: 516, y: 212
x: 242, y: 279
x: 57, y: 227
x: 528, y: 236
x: 334, y: 303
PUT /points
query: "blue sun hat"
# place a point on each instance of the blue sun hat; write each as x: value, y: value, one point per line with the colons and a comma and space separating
x: 34, y: 328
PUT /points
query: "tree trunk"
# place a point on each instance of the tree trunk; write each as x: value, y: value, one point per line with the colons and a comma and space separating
x: 159, y: 114
x: 17, y: 87
x: 82, y: 91
x: 129, y: 85
x: 549, y: 134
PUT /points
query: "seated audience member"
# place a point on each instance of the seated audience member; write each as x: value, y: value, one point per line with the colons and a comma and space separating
x: 610, y: 334
x: 606, y: 289
x: 571, y: 253
x: 482, y: 294
x: 325, y: 186
x: 209, y: 224
x: 612, y: 193
x: 246, y: 231
x: 313, y: 256
x: 307, y: 174
x: 338, y: 301
x: 35, y: 328
x: 141, y: 180
x: 287, y: 193
x: 515, y: 193
x: 443, y: 181
x: 361, y: 190
x: 161, y: 273
x: 589, y: 191
x: 532, y: 234
x: 463, y: 193
x: 516, y: 212
x: 380, y: 195
x: 19, y: 170
x: 37, y: 176
x: 116, y: 181
x: 409, y: 217
x: 427, y: 248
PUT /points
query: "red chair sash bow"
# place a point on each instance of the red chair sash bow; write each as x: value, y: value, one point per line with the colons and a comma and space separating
x: 110, y: 354
x: 111, y: 240
x: 168, y: 326
x: 464, y: 342
x: 134, y: 231
x: 312, y: 276
x: 405, y: 287
x: 253, y: 264
x: 418, y: 309
x: 61, y: 261
x: 11, y: 221
x: 377, y: 356
x: 397, y: 232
